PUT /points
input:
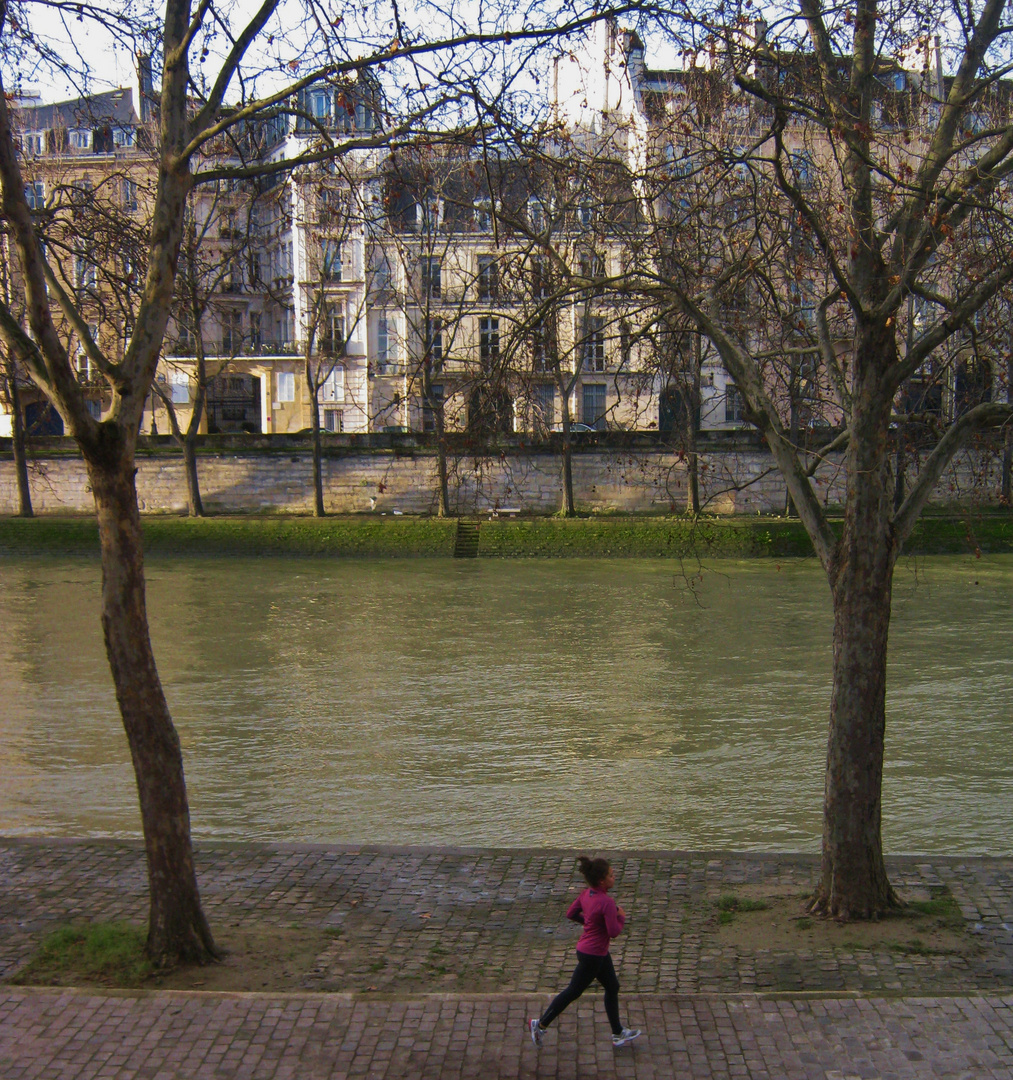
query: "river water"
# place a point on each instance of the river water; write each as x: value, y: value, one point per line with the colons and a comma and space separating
x: 597, y: 703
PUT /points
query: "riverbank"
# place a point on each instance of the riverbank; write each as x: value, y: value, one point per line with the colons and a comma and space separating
x: 384, y: 921
x: 378, y: 535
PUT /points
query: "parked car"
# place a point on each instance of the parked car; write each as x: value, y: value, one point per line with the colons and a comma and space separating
x: 575, y: 426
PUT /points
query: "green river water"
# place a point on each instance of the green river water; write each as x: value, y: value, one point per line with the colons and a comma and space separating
x: 578, y: 703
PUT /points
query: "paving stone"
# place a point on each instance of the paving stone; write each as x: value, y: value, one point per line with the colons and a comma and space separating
x: 706, y: 1011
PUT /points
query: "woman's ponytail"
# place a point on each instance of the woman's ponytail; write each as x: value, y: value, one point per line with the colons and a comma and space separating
x: 593, y: 871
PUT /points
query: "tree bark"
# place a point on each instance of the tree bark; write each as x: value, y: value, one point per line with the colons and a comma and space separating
x: 569, y: 510
x: 443, y: 507
x: 1007, y: 466
x: 1007, y: 447
x: 692, y: 423
x: 194, y: 504
x: 853, y: 881
x: 19, y: 443
x: 318, y: 465
x: 177, y: 928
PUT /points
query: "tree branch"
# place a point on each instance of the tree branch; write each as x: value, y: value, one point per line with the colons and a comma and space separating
x: 987, y: 415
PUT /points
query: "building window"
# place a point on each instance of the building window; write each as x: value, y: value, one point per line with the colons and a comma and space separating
x: 332, y: 331
x: 334, y: 420
x: 483, y: 215
x: 488, y: 277
x: 544, y: 407
x: 123, y: 137
x: 256, y: 335
x: 286, y: 386
x: 320, y: 104
x: 232, y: 332
x: 432, y: 276
x: 33, y: 143
x: 432, y: 407
x: 129, y: 194
x: 433, y: 343
x: 592, y: 346
x: 330, y: 260
x: 540, y: 278
x: 80, y: 140
x: 802, y: 166
x: 735, y: 406
x: 594, y: 405
x: 536, y: 214
x: 586, y: 213
x: 333, y: 387
x: 384, y: 352
x: 85, y: 273
x: 179, y: 387
x: 363, y: 116
x: 591, y: 265
x: 488, y: 339
x: 542, y: 339
x: 35, y: 195
x: 383, y: 277
x: 429, y: 213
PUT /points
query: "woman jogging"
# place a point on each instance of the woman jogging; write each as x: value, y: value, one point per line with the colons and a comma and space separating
x: 602, y: 921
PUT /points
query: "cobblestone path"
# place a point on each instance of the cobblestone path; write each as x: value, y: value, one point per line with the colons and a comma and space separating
x: 435, y: 958
x: 74, y: 1035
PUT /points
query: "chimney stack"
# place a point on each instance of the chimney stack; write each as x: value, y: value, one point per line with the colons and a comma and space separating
x: 146, y: 92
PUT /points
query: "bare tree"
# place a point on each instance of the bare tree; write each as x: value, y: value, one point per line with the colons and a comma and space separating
x: 881, y: 170
x: 208, y: 100
x: 11, y: 376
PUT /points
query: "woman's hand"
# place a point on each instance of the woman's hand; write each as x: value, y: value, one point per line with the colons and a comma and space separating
x: 622, y: 914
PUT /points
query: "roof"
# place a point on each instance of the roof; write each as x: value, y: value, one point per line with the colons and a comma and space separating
x: 113, y: 108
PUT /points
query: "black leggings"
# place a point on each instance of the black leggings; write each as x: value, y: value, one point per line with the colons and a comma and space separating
x: 587, y: 970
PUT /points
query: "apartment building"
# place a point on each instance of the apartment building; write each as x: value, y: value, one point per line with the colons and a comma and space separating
x: 440, y: 290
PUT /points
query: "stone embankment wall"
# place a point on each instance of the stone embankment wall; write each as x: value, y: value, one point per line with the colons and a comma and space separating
x: 737, y: 480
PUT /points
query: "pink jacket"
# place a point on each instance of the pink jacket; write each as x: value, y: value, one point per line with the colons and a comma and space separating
x: 601, y: 919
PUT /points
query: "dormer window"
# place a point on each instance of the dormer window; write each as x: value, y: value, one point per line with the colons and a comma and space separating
x: 429, y: 213
x: 483, y: 215
x: 320, y: 104
x: 80, y: 140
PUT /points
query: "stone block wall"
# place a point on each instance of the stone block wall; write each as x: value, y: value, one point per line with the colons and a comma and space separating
x: 652, y: 479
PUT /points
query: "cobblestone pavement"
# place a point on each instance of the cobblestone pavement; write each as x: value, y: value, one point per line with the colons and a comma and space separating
x: 74, y: 1035
x: 414, y: 919
x: 416, y: 935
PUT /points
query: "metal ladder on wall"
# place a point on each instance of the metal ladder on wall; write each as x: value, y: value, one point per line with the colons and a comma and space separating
x: 466, y: 541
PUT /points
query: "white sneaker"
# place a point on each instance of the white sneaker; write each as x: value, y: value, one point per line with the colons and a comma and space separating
x: 627, y: 1035
x: 537, y: 1031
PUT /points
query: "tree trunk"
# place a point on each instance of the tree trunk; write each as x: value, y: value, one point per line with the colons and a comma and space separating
x: 900, y: 469
x: 853, y: 882
x: 195, y: 506
x: 1007, y: 467
x: 693, y: 479
x: 318, y: 464
x: 443, y: 509
x: 177, y: 928
x: 20, y: 448
x: 692, y: 424
x: 569, y: 510
x: 1007, y: 449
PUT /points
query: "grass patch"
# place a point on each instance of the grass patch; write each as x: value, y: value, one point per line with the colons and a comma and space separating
x: 611, y: 535
x: 729, y: 905
x: 942, y: 907
x: 108, y: 953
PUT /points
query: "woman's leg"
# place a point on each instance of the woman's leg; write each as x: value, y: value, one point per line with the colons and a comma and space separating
x: 610, y: 981
x: 584, y: 974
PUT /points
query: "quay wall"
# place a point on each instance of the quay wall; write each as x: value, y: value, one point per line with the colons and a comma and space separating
x: 733, y: 480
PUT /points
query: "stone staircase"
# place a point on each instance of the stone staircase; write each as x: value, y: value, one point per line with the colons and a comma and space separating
x: 466, y: 541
